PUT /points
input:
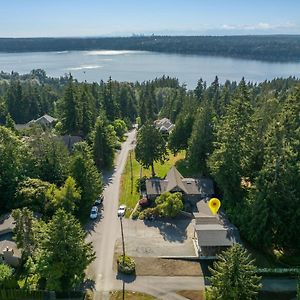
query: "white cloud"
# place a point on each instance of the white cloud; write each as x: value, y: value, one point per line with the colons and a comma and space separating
x: 259, y: 26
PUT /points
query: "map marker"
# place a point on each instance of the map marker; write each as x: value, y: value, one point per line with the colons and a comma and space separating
x: 214, y: 205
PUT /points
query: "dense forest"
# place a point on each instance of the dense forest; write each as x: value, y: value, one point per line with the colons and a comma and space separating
x: 244, y: 135
x: 268, y: 48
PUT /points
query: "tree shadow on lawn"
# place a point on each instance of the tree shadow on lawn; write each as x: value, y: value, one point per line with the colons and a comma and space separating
x: 172, y: 230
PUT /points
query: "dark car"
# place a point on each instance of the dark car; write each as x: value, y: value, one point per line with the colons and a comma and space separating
x: 99, y: 200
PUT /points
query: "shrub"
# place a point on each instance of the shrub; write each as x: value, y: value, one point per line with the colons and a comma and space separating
x: 89, y: 295
x: 126, y: 264
x: 141, y: 183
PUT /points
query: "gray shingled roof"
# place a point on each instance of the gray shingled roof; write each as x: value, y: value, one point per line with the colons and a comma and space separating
x: 176, y: 182
x: 216, y: 235
x: 174, y: 179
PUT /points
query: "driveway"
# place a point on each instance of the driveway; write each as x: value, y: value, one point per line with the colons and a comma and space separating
x: 157, y: 238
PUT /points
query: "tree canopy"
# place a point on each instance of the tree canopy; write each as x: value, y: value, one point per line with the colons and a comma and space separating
x: 150, y: 146
x: 233, y: 276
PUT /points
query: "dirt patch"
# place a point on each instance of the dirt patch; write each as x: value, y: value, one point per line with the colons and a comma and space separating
x: 192, y: 295
x: 152, y: 266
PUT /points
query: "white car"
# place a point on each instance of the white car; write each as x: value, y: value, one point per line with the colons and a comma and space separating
x: 121, y: 210
x: 94, y: 212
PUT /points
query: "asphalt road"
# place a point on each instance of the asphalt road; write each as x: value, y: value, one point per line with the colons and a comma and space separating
x: 106, y: 229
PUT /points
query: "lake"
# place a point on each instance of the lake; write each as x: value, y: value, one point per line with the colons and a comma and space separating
x: 141, y: 65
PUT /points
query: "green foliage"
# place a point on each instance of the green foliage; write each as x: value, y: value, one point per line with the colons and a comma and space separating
x: 62, y: 254
x: 52, y: 157
x: 103, y: 144
x: 9, y: 123
x: 200, y: 143
x: 150, y: 147
x: 87, y: 178
x: 126, y: 264
x: 35, y: 194
x: 15, y: 164
x: 120, y: 128
x: 169, y: 204
x: 68, y: 196
x: 178, y: 139
x: 6, y: 273
x: 233, y: 276
x: 233, y: 149
x: 275, y: 195
x: 24, y: 231
x: 71, y: 113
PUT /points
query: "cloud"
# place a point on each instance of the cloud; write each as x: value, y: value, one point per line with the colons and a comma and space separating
x: 259, y: 26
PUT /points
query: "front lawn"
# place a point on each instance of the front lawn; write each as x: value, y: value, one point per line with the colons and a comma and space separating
x: 128, y: 193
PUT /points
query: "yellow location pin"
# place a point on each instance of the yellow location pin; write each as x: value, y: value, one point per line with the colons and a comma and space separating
x: 214, y: 205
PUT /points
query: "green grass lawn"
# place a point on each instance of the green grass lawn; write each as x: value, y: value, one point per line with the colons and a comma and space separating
x: 128, y: 193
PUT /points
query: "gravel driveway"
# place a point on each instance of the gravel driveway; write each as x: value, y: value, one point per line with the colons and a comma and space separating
x: 157, y: 238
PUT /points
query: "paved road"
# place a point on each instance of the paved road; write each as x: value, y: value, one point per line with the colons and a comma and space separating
x: 104, y: 232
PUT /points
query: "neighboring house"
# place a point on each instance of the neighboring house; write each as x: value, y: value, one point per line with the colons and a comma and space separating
x: 9, y: 252
x: 45, y: 120
x: 164, y: 125
x: 213, y: 233
x: 192, y: 189
x: 70, y: 140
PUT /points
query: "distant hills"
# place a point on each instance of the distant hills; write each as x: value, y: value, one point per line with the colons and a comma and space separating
x: 281, y: 48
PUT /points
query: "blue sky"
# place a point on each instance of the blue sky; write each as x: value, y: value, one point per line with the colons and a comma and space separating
x: 27, y: 18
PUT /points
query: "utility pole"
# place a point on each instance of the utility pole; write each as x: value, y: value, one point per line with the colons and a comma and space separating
x: 123, y: 242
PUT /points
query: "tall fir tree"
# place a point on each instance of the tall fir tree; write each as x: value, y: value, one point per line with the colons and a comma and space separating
x: 233, y: 276
x: 200, y: 142
x: 70, y: 109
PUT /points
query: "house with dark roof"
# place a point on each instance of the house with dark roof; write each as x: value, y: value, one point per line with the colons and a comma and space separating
x: 192, y: 189
x: 212, y: 233
x: 9, y: 252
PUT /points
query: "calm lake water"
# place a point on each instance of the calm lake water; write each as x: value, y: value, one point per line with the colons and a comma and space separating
x: 139, y: 66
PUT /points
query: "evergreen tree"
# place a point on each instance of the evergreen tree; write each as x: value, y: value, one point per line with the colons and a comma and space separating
x: 231, y: 159
x: 150, y: 147
x: 200, y: 90
x: 87, y: 178
x: 70, y: 109
x: 86, y: 101
x: 233, y: 276
x: 103, y: 146
x: 15, y: 164
x: 275, y: 220
x: 68, y: 196
x: 62, y: 254
x: 9, y: 123
x: 200, y: 143
x: 178, y: 138
x: 23, y: 231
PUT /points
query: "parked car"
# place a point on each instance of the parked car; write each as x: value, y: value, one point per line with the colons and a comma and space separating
x: 121, y: 210
x: 99, y: 200
x: 94, y: 212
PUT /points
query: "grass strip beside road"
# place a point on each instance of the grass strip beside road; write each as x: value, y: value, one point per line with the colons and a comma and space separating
x: 128, y: 193
x: 192, y: 295
x: 129, y: 295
